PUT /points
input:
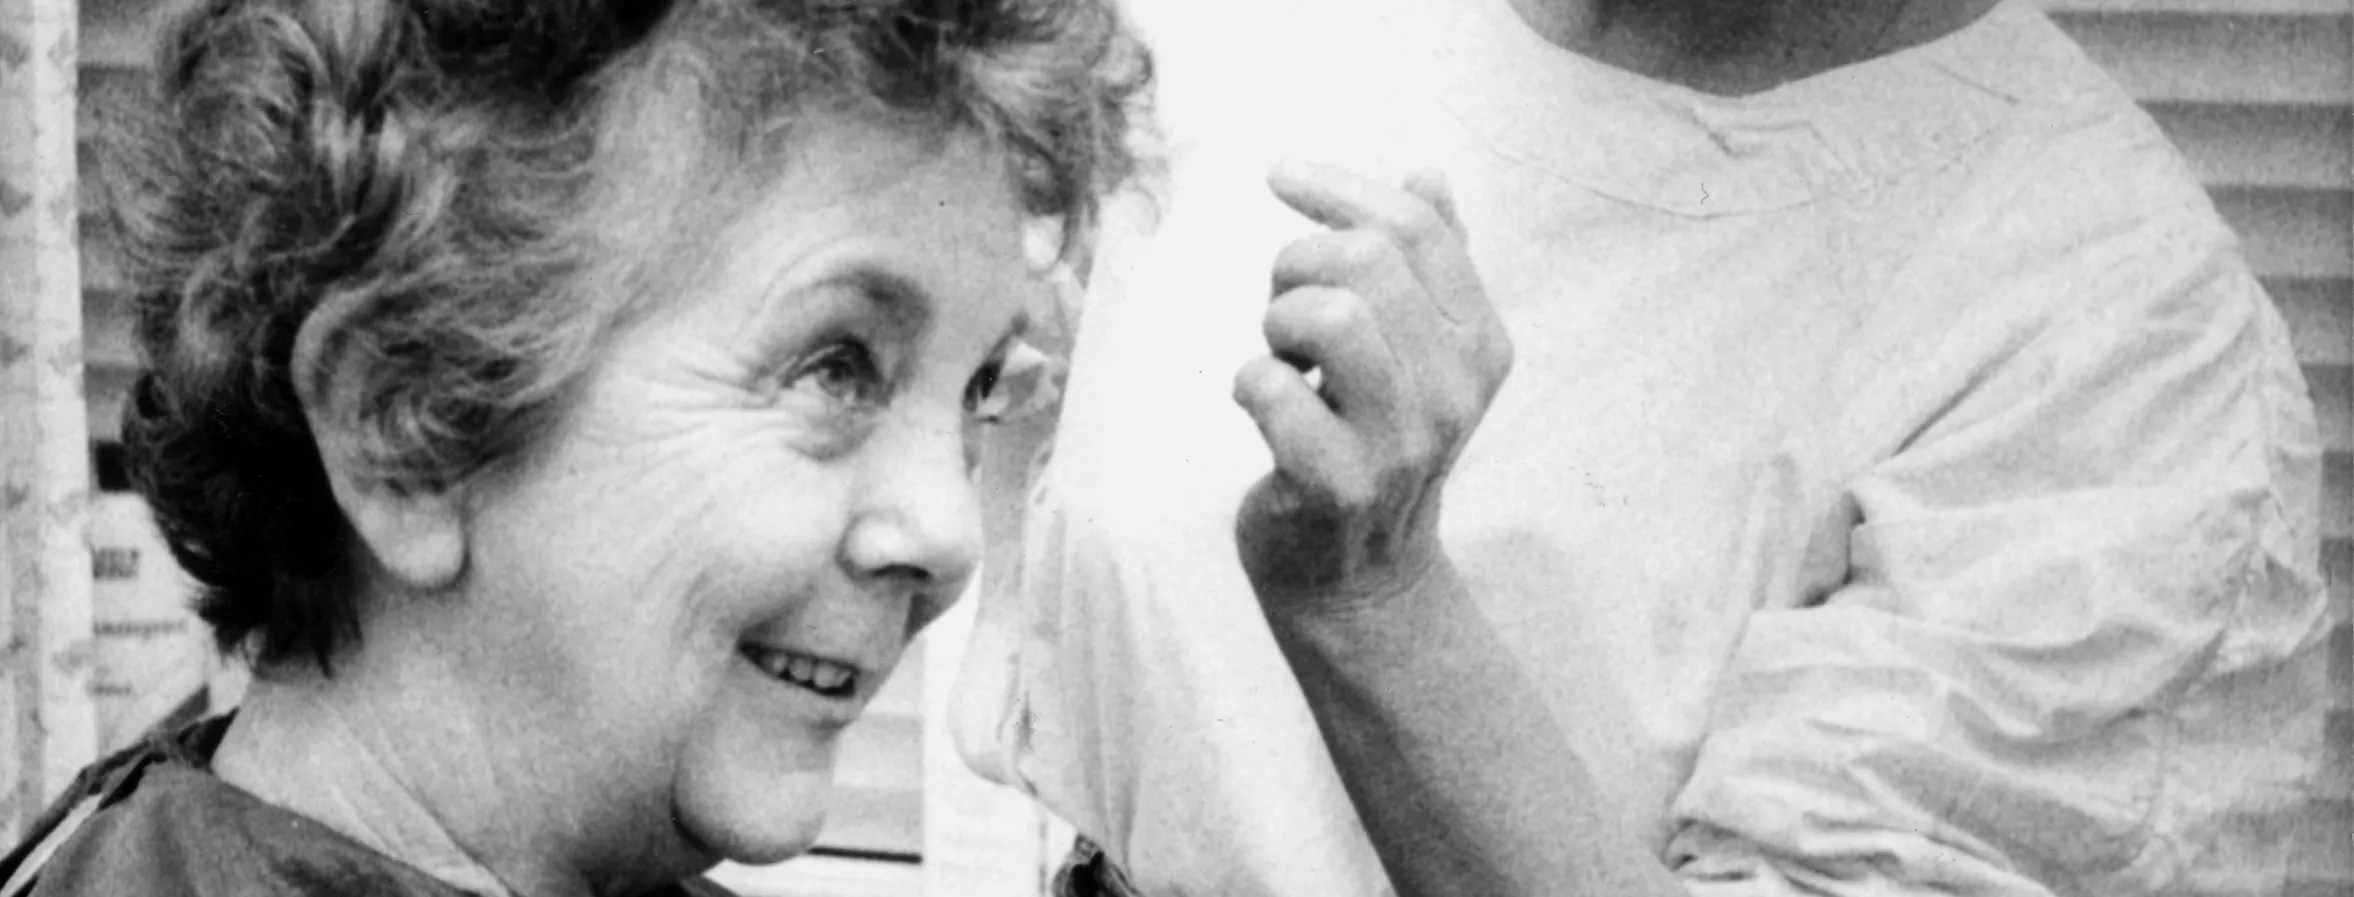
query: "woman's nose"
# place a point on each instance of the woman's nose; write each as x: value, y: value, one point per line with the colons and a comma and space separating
x: 917, y: 524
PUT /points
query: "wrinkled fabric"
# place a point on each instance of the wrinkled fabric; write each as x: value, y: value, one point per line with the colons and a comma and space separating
x: 1903, y: 486
x: 153, y: 821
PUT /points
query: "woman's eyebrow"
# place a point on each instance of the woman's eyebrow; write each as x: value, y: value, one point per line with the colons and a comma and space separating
x: 865, y: 288
x: 901, y: 298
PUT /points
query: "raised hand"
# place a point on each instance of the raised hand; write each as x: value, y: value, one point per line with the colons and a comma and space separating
x: 1384, y: 356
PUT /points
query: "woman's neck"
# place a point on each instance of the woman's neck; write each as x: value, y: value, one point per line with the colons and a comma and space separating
x: 410, y: 788
x: 1740, y: 47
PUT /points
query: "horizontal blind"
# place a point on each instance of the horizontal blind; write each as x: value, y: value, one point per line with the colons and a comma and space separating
x: 2259, y: 94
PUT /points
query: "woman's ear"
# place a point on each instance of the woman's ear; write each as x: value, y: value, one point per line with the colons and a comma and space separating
x: 416, y: 536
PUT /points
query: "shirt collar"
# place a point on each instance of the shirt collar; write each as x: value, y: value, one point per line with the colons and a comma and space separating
x: 1671, y: 148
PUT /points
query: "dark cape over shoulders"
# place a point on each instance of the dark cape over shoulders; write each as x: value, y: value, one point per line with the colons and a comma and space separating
x: 152, y: 820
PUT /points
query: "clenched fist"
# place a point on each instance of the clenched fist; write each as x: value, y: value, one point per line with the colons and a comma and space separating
x: 1384, y: 356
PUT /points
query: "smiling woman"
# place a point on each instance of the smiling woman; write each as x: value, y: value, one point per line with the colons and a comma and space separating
x: 570, y: 408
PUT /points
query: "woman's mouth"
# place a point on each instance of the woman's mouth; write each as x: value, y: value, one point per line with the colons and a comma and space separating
x: 824, y: 677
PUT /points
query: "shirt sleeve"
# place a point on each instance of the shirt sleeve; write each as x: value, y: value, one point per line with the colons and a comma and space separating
x: 2076, y: 651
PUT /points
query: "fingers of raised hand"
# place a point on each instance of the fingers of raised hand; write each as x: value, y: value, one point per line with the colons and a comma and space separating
x: 1344, y: 201
x: 1313, y: 447
x: 1364, y: 260
x: 1431, y: 186
x: 1338, y: 332
x: 1389, y: 309
x: 1378, y: 228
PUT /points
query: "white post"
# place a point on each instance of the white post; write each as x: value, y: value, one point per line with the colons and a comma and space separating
x: 47, y: 731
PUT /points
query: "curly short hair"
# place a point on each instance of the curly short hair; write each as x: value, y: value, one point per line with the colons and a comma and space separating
x: 397, y: 191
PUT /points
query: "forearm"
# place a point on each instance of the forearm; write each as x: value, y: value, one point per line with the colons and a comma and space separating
x: 1446, y: 749
x: 1453, y: 761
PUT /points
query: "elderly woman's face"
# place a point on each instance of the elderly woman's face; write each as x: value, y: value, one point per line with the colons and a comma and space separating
x: 759, y: 498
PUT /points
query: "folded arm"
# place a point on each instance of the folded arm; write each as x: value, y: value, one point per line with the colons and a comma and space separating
x: 2075, y: 652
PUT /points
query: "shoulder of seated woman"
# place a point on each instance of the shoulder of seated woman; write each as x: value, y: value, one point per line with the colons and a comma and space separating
x: 153, y: 820
x: 182, y: 831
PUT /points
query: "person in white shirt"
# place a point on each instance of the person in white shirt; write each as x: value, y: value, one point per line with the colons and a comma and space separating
x: 1901, y: 484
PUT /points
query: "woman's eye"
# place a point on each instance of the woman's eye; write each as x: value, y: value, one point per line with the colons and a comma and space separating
x: 1014, y: 385
x: 844, y: 373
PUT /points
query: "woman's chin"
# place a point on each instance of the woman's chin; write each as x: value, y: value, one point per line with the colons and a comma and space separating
x: 753, y: 788
x: 758, y: 826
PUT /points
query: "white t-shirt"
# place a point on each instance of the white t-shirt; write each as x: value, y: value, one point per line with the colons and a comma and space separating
x: 1903, y: 485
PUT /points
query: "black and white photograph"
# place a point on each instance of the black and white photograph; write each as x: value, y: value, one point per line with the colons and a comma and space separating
x: 1177, y: 448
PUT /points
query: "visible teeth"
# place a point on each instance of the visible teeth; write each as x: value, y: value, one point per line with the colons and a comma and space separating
x: 807, y: 672
x: 830, y: 676
x: 771, y: 662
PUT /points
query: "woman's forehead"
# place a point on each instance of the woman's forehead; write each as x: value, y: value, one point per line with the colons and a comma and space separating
x: 910, y: 235
x: 663, y: 222
x: 938, y: 200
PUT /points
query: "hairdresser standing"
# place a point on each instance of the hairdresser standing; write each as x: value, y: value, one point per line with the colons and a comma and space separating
x: 1900, y: 484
